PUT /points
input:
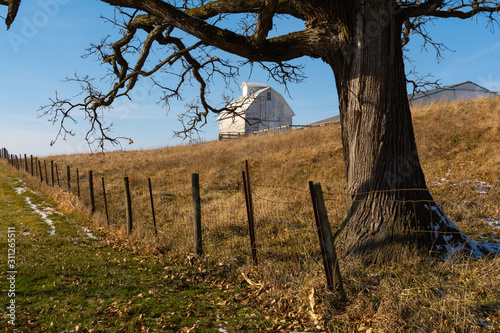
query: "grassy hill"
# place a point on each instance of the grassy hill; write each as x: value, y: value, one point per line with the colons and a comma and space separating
x: 459, y: 148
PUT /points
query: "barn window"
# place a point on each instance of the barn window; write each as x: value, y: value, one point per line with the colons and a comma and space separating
x: 268, y: 95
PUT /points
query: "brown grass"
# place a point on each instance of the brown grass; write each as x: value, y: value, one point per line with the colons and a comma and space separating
x: 459, y: 147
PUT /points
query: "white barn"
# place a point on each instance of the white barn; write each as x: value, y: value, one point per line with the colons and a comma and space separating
x: 461, y: 91
x: 260, y: 107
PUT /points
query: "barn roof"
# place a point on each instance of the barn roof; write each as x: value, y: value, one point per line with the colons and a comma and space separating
x: 334, y: 119
x: 467, y: 86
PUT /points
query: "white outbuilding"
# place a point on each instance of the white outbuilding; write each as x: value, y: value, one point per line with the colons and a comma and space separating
x: 460, y: 91
x: 259, y: 108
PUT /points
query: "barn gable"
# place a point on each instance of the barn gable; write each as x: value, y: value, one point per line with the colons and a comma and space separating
x: 260, y: 107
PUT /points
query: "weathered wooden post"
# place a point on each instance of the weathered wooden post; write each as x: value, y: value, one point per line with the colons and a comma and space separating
x: 46, y: 174
x: 31, y: 169
x: 129, y: 206
x: 250, y: 216
x: 52, y: 172
x: 152, y: 206
x: 40, y: 171
x: 25, y: 163
x: 91, y: 190
x: 105, y: 201
x: 330, y: 262
x: 68, y: 177
x: 195, y: 188
x: 57, y: 176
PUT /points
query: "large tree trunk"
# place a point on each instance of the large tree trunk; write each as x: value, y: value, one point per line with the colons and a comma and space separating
x: 390, y: 212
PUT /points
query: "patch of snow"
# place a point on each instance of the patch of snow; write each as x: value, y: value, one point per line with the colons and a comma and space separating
x: 21, y: 189
x: 443, y: 179
x: 478, y: 186
x: 493, y: 222
x: 43, y: 214
x: 89, y: 234
x: 443, y: 228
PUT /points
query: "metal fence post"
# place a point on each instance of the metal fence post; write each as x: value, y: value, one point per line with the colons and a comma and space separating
x: 68, y: 177
x: 195, y: 182
x: 78, y: 182
x: 152, y: 206
x: 250, y: 216
x: 105, y: 201
x: 91, y: 190
x: 129, y: 206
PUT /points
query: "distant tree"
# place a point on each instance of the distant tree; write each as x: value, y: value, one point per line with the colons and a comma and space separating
x: 390, y: 211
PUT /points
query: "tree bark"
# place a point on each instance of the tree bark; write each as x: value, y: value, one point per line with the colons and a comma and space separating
x: 390, y: 212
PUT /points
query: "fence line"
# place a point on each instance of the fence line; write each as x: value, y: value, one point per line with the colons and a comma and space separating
x: 251, y: 221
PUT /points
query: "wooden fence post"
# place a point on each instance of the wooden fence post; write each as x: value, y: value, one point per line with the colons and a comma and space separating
x: 105, y: 201
x: 46, y: 174
x: 25, y: 163
x: 40, y: 171
x: 57, y: 176
x: 152, y: 206
x: 52, y: 172
x: 330, y: 262
x: 250, y: 216
x: 68, y: 177
x: 78, y: 182
x: 195, y: 188
x: 31, y: 169
x: 129, y: 206
x: 91, y: 190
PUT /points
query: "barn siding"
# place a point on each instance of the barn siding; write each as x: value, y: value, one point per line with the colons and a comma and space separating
x: 232, y: 125
x: 260, y: 112
x: 265, y: 114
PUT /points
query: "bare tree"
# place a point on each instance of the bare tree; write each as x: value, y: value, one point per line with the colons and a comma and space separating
x: 390, y: 211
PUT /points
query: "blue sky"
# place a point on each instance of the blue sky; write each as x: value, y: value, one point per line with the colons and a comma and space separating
x: 45, y: 44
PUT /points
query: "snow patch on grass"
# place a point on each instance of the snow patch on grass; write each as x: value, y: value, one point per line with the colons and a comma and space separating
x: 89, y: 234
x: 493, y: 222
x: 454, y: 241
x: 44, y: 213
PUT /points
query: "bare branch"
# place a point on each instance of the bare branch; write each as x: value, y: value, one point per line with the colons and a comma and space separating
x: 458, y: 9
x: 264, y: 22
x: 12, y: 13
x: 281, y: 48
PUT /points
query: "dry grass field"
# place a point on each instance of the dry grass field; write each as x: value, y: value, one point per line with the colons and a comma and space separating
x: 459, y: 147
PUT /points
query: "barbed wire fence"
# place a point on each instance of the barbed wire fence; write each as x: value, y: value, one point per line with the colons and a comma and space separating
x: 285, y: 234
